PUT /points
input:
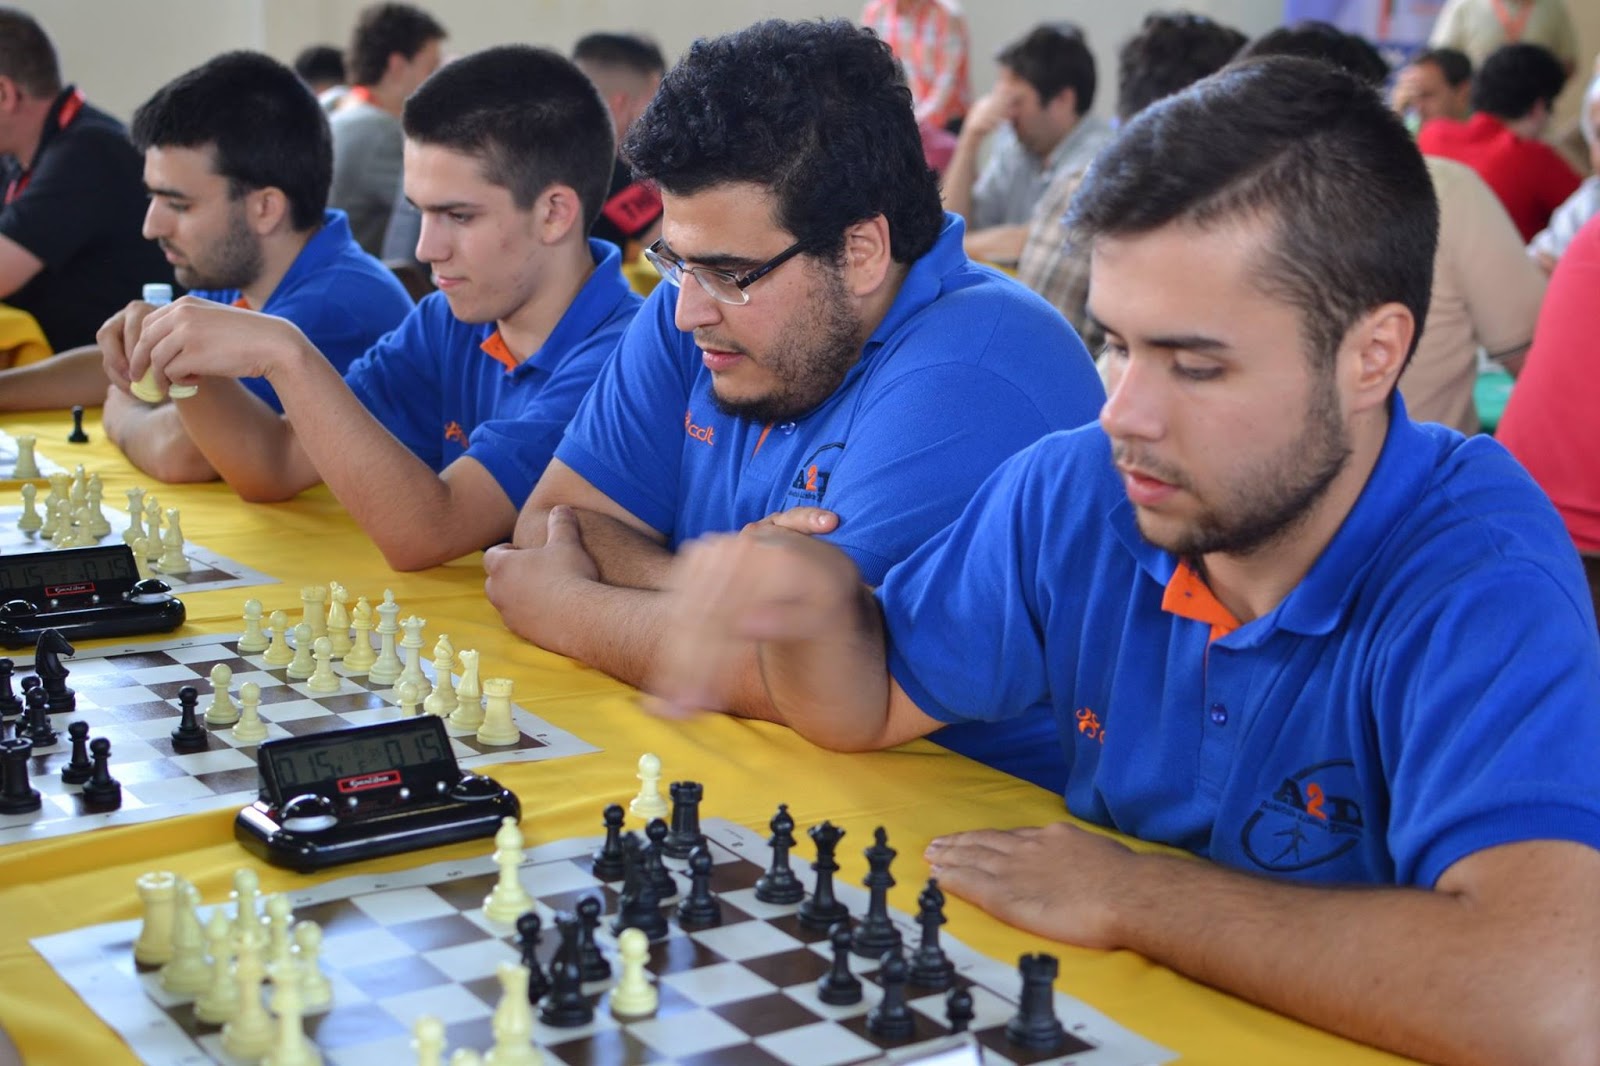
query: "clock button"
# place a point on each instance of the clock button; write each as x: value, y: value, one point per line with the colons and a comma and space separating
x: 17, y: 607
x: 309, y: 813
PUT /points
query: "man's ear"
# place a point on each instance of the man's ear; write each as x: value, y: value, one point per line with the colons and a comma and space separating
x: 1376, y: 348
x: 867, y: 255
x: 558, y: 209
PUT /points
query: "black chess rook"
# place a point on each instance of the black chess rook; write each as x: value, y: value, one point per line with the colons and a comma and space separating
x: 1035, y: 1025
x: 17, y: 796
x: 10, y: 705
x: 684, y: 835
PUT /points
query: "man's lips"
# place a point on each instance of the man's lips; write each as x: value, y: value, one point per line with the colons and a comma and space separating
x: 1145, y: 490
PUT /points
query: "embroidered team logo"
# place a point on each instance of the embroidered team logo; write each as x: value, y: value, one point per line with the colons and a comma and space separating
x: 1311, y: 818
x: 706, y: 434
x: 809, y: 485
x: 453, y: 431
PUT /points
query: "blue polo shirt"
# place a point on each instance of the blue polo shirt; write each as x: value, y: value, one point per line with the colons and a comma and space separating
x: 342, y: 299
x: 447, y: 388
x: 1431, y: 688
x: 966, y: 368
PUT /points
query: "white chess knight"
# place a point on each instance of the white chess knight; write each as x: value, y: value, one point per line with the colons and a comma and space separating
x: 442, y: 700
x: 506, y: 902
x: 512, y: 1022
x: 469, y: 695
x: 338, y: 620
x: 186, y: 973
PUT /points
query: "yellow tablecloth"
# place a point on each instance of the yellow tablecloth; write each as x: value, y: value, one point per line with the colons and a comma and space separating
x: 916, y: 792
x: 21, y: 340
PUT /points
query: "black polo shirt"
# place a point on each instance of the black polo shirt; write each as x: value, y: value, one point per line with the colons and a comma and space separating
x: 79, y: 209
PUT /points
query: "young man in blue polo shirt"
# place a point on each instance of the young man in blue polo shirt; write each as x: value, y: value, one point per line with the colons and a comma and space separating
x: 434, y: 438
x: 1347, y: 659
x: 822, y: 342
x: 236, y: 164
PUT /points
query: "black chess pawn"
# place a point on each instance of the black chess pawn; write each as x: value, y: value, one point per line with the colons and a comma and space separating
x: 891, y: 1019
x: 958, y: 1009
x: 102, y: 791
x: 876, y: 934
x: 78, y: 768
x: 77, y: 436
x: 17, y: 796
x: 37, y: 726
x: 839, y: 987
x: 47, y: 665
x: 822, y: 910
x: 684, y: 835
x: 9, y: 703
x: 565, y: 1005
x: 1035, y: 1025
x: 930, y: 967
x: 608, y: 860
x: 779, y: 885
x: 528, y: 929
x: 190, y: 736
x: 666, y: 885
x: 591, y: 964
x: 699, y: 909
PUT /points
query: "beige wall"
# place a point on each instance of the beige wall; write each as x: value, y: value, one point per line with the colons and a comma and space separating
x: 120, y: 51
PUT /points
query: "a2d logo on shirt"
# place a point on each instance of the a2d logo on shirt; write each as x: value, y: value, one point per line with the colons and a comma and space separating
x: 453, y: 431
x: 810, y: 483
x: 1310, y: 818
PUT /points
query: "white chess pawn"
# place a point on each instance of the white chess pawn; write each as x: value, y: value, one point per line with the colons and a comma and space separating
x: 186, y: 973
x: 221, y: 711
x: 407, y: 696
x: 246, y: 903
x: 220, y: 1001
x: 427, y: 1040
x: 141, y: 560
x: 152, y: 527
x: 30, y: 522
x: 386, y: 667
x: 248, y: 1034
x: 323, y: 679
x: 312, y: 599
x: 172, y: 560
x: 135, y: 528
x: 27, y: 464
x: 506, y: 902
x: 292, y: 1047
x: 78, y: 486
x: 280, y: 943
x: 58, y: 489
x: 498, y: 728
x: 278, y: 652
x: 254, y: 638
x: 338, y: 619
x: 634, y: 996
x: 359, y: 659
x: 316, y: 991
x: 412, y: 643
x: 250, y: 729
x: 302, y: 665
x: 469, y: 694
x: 98, y: 526
x: 513, y: 1020
x: 52, y: 518
x: 442, y: 700
x: 158, y: 890
x: 648, y: 803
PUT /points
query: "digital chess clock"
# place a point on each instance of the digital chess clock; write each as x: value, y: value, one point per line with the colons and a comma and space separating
x: 82, y: 592
x: 371, y: 790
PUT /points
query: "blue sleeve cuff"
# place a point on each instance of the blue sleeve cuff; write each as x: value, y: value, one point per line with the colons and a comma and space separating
x: 1507, y: 825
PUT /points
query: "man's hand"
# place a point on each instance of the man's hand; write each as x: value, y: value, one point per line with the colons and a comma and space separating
x: 987, y: 114
x: 119, y: 414
x: 811, y: 521
x: 117, y: 338
x: 197, y: 338
x: 1058, y: 881
x: 526, y: 584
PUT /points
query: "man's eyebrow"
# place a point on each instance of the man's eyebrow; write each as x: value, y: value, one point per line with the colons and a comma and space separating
x: 1188, y: 342
x: 158, y: 190
x: 714, y: 260
x: 440, y: 208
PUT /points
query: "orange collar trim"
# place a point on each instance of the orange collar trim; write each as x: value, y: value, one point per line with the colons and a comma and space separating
x: 495, y: 347
x: 240, y: 301
x: 1188, y: 596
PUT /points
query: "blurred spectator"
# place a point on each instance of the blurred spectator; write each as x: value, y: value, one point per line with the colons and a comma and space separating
x: 1582, y: 205
x: 627, y: 70
x: 1436, y: 83
x: 321, y: 67
x: 929, y: 37
x: 1479, y: 27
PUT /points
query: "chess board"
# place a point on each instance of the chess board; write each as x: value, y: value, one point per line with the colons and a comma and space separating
x: 8, y: 462
x: 397, y: 946
x: 129, y: 695
x: 208, y: 570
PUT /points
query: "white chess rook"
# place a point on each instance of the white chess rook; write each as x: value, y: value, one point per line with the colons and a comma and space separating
x: 158, y: 890
x: 498, y: 728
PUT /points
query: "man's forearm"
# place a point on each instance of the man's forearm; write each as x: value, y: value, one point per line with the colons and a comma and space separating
x: 997, y: 244
x: 154, y: 440
x: 626, y: 558
x: 68, y: 378
x: 833, y: 688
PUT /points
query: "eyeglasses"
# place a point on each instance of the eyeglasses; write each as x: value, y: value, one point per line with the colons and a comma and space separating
x: 721, y: 285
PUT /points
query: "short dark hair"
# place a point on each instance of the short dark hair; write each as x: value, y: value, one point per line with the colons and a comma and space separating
x: 320, y: 63
x: 1455, y: 65
x: 26, y: 55
x: 381, y: 30
x: 1326, y: 42
x: 1304, y: 145
x: 1169, y: 53
x: 1515, y: 77
x: 814, y: 111
x: 627, y: 50
x: 1053, y: 57
x: 528, y: 114
x: 263, y: 124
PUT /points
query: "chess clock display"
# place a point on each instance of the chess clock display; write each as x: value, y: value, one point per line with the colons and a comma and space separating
x: 83, y: 593
x: 371, y: 790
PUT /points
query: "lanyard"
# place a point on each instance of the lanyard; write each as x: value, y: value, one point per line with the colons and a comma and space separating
x: 69, y: 111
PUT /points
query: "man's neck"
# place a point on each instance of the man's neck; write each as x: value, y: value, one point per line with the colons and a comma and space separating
x: 383, y: 96
x: 1252, y: 585
x: 1044, y: 156
x: 278, y: 254
x: 28, y: 129
x: 526, y: 329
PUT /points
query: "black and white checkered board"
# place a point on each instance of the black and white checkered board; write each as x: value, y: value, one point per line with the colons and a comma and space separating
x: 8, y: 461
x: 207, y: 570
x: 130, y: 696
x: 402, y: 945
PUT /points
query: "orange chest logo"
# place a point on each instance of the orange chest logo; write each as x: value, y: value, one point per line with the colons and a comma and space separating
x: 1089, y: 725
x: 453, y: 431
x: 704, y: 434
